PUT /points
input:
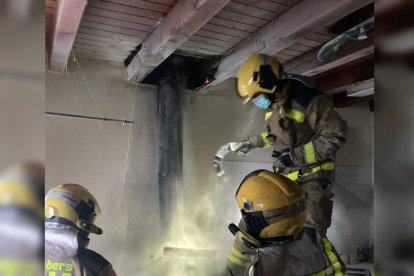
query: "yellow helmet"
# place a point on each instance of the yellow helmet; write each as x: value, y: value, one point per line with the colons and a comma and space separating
x: 22, y: 186
x: 272, y: 206
x: 258, y: 74
x: 73, y: 205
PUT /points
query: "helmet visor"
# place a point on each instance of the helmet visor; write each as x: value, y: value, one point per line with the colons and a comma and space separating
x: 255, y: 222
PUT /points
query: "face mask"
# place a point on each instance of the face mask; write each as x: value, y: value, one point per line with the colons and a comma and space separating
x: 262, y: 101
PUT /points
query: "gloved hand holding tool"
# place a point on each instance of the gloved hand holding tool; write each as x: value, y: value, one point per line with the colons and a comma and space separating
x: 240, y: 148
x: 284, y: 158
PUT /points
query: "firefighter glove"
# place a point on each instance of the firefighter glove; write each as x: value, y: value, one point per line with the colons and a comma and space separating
x: 284, y: 158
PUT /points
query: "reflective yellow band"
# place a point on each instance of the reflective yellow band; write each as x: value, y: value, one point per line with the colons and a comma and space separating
x: 238, y: 258
x: 294, y: 114
x: 10, y: 267
x: 266, y: 141
x: 238, y: 254
x: 325, y: 167
x: 235, y: 261
x: 332, y: 257
x: 268, y: 115
x: 322, y: 273
x: 309, y: 153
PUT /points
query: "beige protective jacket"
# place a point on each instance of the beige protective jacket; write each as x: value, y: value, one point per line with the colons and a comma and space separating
x: 305, y: 123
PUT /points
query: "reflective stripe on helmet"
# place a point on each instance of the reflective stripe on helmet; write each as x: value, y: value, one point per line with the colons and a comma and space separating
x: 65, y: 197
x: 329, y: 166
x: 83, y: 209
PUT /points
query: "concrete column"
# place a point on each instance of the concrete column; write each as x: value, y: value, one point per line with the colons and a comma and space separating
x: 170, y: 174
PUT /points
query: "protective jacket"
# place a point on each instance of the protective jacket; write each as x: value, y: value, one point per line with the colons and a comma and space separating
x: 85, y: 263
x: 301, y: 257
x: 309, y: 255
x: 305, y: 123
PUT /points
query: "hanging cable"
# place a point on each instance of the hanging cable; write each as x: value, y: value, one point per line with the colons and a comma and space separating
x: 90, y: 91
x: 87, y: 84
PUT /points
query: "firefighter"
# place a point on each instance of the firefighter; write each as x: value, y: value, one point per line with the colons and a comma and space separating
x: 304, y: 131
x: 70, y: 213
x: 273, y: 215
x: 21, y: 219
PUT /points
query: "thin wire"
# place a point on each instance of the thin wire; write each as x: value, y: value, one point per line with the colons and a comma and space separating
x: 67, y: 53
x: 87, y: 84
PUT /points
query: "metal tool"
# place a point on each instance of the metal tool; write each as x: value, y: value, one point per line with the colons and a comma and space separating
x: 240, y: 148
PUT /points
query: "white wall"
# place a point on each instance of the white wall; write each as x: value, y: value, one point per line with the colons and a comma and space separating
x: 353, y: 201
x: 117, y: 163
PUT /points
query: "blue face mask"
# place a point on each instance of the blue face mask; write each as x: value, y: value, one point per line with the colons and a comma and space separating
x: 262, y: 101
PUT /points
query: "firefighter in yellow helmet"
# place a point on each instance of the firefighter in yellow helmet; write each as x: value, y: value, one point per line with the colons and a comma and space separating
x: 304, y: 131
x: 21, y: 219
x: 70, y: 213
x: 273, y: 211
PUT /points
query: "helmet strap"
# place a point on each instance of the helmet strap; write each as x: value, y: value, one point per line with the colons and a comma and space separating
x: 88, y: 227
x: 83, y: 239
x: 283, y: 239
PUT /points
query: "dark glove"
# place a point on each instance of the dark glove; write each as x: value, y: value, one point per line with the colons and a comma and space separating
x: 284, y: 158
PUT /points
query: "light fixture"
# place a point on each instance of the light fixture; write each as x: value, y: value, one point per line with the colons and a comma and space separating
x: 362, y: 34
x: 361, y: 89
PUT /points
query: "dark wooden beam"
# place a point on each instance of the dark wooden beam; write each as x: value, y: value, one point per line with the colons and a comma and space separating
x: 340, y: 80
x: 66, y: 22
x: 341, y: 100
x: 184, y: 20
x: 306, y: 17
x: 352, y: 19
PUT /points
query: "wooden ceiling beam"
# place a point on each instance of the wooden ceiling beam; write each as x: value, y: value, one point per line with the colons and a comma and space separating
x: 339, y: 81
x: 66, y: 22
x: 306, y: 17
x: 184, y: 20
x: 342, y: 100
